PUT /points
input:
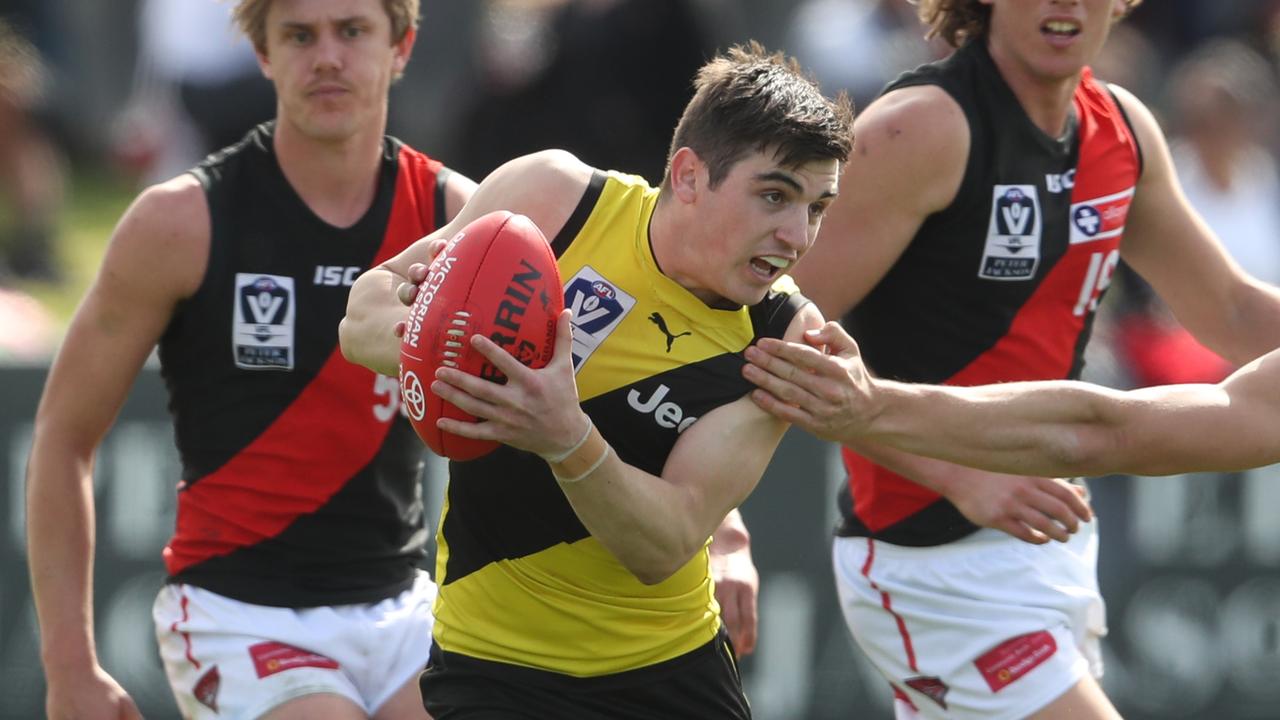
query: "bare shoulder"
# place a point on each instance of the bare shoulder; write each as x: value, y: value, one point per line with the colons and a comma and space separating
x: 808, y: 317
x: 918, y: 120
x: 1146, y: 128
x: 164, y: 237
x: 915, y: 137
x: 546, y: 186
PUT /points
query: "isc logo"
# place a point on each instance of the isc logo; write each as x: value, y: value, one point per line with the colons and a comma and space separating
x: 666, y: 414
x: 336, y: 275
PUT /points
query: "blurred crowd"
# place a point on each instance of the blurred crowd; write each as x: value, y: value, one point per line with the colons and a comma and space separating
x: 606, y: 79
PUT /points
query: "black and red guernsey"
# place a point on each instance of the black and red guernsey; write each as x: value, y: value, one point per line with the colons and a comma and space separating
x: 300, y: 476
x: 1001, y: 285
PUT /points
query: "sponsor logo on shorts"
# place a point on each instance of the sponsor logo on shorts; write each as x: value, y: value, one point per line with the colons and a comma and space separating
x: 270, y: 658
x: 1013, y: 658
x: 598, y: 308
x: 206, y: 689
x: 932, y: 687
x: 1012, y: 251
x: 262, y: 322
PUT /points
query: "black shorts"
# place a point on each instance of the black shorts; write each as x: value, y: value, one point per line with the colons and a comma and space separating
x: 700, y: 685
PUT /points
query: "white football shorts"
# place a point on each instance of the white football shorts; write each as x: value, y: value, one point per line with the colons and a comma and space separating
x: 984, y: 628
x: 229, y: 659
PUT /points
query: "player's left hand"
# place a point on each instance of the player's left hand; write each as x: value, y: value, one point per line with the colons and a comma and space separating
x: 535, y: 410
x: 407, y: 292
x: 822, y: 386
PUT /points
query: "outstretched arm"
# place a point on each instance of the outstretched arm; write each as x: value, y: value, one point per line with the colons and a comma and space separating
x: 1051, y: 427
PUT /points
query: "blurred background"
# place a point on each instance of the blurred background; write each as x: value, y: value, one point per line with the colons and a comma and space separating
x: 99, y: 99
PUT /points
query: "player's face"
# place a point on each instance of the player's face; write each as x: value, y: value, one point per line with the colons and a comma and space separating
x: 332, y: 62
x: 758, y: 222
x: 1051, y: 39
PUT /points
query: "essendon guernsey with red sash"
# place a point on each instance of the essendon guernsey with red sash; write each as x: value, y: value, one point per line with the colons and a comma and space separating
x: 1003, y: 284
x: 300, y: 477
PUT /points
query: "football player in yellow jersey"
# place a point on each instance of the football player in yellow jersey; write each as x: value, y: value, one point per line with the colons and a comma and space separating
x: 574, y: 569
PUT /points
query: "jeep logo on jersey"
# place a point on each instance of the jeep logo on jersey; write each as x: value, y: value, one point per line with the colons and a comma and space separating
x: 262, y: 322
x: 1100, y: 218
x: 598, y: 308
x: 1012, y: 251
x: 667, y: 414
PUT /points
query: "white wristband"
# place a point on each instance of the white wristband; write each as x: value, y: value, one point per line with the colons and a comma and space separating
x: 594, y: 467
x: 581, y: 441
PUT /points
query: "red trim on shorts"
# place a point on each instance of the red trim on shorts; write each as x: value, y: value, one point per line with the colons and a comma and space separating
x: 186, y: 637
x: 887, y: 603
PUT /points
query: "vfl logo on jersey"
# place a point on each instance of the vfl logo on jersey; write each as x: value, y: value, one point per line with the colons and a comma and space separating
x: 598, y: 307
x: 1013, y: 235
x: 1099, y: 218
x: 262, y: 322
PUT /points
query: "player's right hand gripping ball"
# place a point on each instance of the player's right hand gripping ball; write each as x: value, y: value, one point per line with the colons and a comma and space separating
x: 496, y: 277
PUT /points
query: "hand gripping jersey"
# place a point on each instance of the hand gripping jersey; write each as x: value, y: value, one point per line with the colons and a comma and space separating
x: 522, y: 582
x: 300, y: 478
x: 1002, y: 284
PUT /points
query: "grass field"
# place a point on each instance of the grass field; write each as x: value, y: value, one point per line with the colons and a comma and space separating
x: 95, y: 201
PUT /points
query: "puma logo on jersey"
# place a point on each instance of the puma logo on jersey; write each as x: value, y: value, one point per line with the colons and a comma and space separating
x: 336, y: 275
x: 656, y: 319
x: 666, y: 414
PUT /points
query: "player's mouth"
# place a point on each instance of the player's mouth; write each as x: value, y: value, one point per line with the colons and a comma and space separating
x: 327, y: 91
x: 1060, y: 32
x: 769, y: 267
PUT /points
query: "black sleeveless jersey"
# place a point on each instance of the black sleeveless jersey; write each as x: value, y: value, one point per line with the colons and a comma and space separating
x: 1001, y: 285
x: 300, y: 477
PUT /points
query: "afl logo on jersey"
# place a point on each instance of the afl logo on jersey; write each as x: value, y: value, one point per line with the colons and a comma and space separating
x: 598, y: 308
x: 1012, y: 250
x: 262, y: 322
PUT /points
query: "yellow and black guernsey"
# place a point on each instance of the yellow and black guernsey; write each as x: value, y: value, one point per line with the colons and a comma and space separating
x: 522, y: 582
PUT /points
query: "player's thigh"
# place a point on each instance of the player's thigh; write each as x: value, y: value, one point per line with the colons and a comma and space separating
x: 405, y: 704
x: 319, y: 705
x: 1084, y: 701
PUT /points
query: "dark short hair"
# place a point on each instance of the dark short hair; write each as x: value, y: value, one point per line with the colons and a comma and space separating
x: 750, y: 100
x: 957, y: 21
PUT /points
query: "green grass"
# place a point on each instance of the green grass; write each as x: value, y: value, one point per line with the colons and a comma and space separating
x: 94, y: 203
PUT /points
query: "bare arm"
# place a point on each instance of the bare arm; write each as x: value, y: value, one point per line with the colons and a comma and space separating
x: 1050, y: 427
x: 909, y: 156
x: 157, y: 256
x: 653, y: 524
x: 737, y: 581
x: 1168, y: 243
x: 544, y: 186
x: 910, y: 151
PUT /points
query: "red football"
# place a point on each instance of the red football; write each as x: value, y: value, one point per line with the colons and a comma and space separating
x: 496, y: 277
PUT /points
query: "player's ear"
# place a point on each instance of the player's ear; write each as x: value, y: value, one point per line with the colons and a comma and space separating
x: 403, y: 49
x: 687, y: 174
